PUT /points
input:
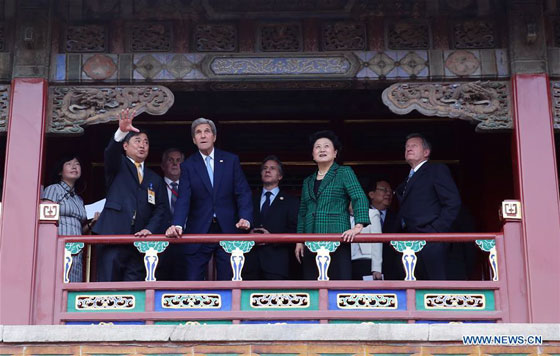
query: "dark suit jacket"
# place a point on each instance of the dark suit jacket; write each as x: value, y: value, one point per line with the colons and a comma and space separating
x: 229, y: 198
x: 127, y: 210
x: 281, y: 216
x: 430, y: 202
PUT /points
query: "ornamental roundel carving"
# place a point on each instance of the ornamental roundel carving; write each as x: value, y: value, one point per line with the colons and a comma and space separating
x: 100, y: 67
x: 462, y: 63
x: 487, y: 103
x: 75, y: 107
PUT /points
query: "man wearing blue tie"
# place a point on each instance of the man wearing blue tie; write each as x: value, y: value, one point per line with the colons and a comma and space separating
x: 429, y: 203
x: 214, y: 198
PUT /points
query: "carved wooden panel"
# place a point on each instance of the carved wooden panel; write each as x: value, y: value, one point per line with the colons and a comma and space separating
x: 215, y: 38
x: 280, y: 37
x: 479, y: 33
x: 85, y: 38
x: 487, y: 103
x: 343, y: 36
x: 408, y: 35
x: 75, y: 107
x: 150, y: 36
x: 4, y: 107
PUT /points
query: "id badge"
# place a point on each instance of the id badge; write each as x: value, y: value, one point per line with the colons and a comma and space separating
x: 151, y: 196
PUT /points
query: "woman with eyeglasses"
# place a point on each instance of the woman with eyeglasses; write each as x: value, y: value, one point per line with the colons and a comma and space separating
x: 73, y: 219
x: 325, y: 197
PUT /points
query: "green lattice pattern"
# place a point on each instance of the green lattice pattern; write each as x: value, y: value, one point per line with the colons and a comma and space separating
x: 413, y: 245
x: 144, y: 246
x: 486, y: 245
x: 244, y: 246
x: 314, y: 246
x: 74, y: 247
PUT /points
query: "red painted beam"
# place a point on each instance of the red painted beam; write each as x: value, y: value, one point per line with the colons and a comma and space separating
x: 537, y: 183
x: 22, y: 180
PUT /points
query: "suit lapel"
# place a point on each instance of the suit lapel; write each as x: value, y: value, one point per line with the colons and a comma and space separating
x: 414, y: 178
x: 328, y: 179
x: 200, y: 168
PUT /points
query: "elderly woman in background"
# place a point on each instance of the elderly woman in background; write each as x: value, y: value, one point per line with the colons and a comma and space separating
x: 73, y: 218
x: 324, y: 207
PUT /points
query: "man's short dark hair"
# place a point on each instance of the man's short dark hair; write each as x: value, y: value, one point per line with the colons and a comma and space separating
x: 132, y: 134
x: 170, y: 150
x: 326, y: 134
x: 275, y: 159
x: 425, y: 143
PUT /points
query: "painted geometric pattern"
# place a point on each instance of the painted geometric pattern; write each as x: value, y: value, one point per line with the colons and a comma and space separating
x: 106, y: 301
x: 365, y: 65
x: 278, y: 349
x: 360, y: 300
x: 188, y: 300
x: 279, y: 300
x: 455, y: 300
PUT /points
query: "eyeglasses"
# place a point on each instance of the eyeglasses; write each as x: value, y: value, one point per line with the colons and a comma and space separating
x: 385, y: 190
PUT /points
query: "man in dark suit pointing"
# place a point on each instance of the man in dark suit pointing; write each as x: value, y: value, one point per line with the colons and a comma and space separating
x: 274, y: 212
x: 214, y: 198
x: 136, y: 202
x: 429, y: 203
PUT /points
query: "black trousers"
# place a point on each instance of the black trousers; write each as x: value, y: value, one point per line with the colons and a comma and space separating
x: 117, y: 263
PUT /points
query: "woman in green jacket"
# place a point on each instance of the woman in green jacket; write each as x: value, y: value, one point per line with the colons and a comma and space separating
x: 325, y: 198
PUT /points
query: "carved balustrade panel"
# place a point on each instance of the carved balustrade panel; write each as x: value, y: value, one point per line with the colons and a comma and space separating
x: 72, y: 108
x: 486, y: 103
x: 4, y: 107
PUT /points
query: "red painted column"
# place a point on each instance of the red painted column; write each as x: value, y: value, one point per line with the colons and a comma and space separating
x: 18, y: 247
x: 537, y: 182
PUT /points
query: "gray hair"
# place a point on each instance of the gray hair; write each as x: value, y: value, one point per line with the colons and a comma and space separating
x: 201, y: 121
x: 170, y: 150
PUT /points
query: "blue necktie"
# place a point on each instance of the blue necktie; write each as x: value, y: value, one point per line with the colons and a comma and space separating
x: 382, y: 216
x: 266, y: 204
x: 410, y: 174
x: 209, y: 169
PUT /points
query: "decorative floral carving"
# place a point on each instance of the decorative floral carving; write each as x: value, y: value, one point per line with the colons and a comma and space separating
x: 280, y: 37
x: 484, y: 102
x: 191, y: 301
x: 215, y: 38
x: 4, y: 106
x: 462, y: 63
x: 2, y: 36
x: 413, y: 64
x: 455, y: 301
x: 74, y: 107
x: 105, y: 302
x: 555, y: 108
x: 408, y: 35
x: 474, y: 34
x: 280, y: 300
x: 366, y: 301
x: 344, y: 36
x: 86, y: 38
x: 150, y: 36
x: 230, y: 246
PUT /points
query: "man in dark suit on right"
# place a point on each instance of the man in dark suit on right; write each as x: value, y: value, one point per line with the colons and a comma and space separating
x: 274, y: 212
x: 429, y: 203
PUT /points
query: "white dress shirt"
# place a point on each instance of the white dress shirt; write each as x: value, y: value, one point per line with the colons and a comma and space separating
x: 373, y: 251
